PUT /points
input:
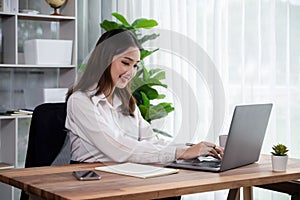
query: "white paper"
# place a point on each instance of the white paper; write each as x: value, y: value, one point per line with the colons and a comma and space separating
x: 137, y: 170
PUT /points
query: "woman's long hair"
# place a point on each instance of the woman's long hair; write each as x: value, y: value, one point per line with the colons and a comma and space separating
x: 97, y: 71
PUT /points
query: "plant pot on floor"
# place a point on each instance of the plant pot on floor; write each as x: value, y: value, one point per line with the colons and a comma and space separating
x: 279, y: 163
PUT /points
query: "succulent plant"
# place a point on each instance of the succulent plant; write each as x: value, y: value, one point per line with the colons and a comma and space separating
x: 279, y: 150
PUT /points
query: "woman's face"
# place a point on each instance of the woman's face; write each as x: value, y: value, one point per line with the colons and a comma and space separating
x: 123, y: 67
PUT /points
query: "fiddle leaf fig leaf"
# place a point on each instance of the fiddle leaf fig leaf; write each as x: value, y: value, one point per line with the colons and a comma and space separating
x: 161, y: 96
x: 146, y: 38
x: 110, y: 25
x: 159, y: 111
x: 160, y: 76
x: 145, y: 100
x: 145, y: 53
x: 121, y: 18
x: 145, y: 74
x: 144, y: 23
x: 154, y: 71
x: 144, y: 112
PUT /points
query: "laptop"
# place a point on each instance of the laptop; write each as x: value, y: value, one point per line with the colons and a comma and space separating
x: 244, y: 141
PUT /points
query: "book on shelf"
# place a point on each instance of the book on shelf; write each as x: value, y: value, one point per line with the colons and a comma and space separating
x: 26, y: 111
x: 5, y: 166
x: 17, y: 112
x: 137, y: 170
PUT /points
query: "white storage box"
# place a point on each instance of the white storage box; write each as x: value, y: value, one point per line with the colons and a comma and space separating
x: 37, y: 96
x: 48, y: 52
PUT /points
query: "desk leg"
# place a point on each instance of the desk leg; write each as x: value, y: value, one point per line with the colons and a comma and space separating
x: 234, y: 194
x: 248, y: 193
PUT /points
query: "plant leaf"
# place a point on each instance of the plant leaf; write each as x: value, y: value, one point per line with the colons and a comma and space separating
x: 145, y: 53
x: 153, y: 114
x: 110, y: 25
x: 138, y: 82
x: 145, y: 74
x: 279, y: 150
x: 154, y: 71
x: 161, y: 96
x: 155, y: 82
x: 146, y: 101
x: 138, y: 98
x: 144, y: 23
x: 145, y: 38
x: 159, y: 111
x: 144, y: 112
x: 151, y: 93
x: 167, y: 107
x: 139, y: 72
x: 121, y: 18
x: 160, y: 76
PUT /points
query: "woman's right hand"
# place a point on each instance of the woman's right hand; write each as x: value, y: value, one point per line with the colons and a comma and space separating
x: 200, y: 149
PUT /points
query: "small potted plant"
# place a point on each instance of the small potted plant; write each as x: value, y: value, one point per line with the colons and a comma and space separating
x: 279, y: 157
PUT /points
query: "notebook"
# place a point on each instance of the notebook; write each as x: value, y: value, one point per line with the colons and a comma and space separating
x: 137, y: 170
x: 244, y: 141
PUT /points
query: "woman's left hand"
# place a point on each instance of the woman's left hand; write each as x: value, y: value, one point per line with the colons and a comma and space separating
x: 200, y: 149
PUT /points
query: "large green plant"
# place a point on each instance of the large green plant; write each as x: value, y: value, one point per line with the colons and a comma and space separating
x: 145, y: 82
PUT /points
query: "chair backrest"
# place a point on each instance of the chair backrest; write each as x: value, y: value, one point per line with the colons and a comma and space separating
x: 47, y: 134
x: 48, y: 142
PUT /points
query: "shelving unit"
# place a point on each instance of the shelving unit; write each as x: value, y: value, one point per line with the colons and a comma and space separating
x: 16, y: 76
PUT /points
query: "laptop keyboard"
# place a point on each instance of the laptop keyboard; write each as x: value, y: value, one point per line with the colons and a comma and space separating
x: 197, y: 162
x: 209, y: 164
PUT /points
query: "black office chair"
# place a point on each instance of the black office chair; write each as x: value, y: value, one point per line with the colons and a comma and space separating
x: 48, y: 142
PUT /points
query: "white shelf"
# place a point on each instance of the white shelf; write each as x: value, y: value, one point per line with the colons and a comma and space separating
x: 15, y: 116
x: 38, y: 17
x: 35, y: 66
x: 7, y: 14
x: 16, y: 77
x: 43, y: 17
x: 5, y: 166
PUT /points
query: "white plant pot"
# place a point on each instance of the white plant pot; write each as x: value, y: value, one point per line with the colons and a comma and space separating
x: 279, y: 163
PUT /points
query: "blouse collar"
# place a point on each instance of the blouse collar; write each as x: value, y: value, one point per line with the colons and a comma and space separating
x: 102, y: 98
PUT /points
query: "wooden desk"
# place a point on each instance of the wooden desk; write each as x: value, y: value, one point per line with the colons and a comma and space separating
x: 57, y: 182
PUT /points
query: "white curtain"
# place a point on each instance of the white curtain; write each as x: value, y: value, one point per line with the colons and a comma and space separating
x: 255, y: 47
x: 90, y: 14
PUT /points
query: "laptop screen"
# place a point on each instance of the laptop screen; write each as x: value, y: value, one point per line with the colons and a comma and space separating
x: 246, y: 135
x: 244, y: 140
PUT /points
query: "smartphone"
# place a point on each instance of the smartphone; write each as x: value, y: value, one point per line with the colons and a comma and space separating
x: 86, y: 175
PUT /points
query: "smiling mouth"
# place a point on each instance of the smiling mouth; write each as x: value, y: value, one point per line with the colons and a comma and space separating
x: 124, y: 77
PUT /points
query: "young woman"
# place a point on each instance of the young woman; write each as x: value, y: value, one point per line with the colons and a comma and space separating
x: 104, y: 121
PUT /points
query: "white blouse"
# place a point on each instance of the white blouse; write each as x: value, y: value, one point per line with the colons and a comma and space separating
x: 99, y: 132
